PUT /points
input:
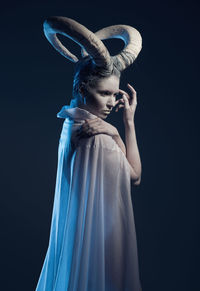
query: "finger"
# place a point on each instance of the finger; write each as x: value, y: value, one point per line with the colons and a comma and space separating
x: 85, y: 133
x: 131, y: 88
x: 134, y: 95
x: 120, y: 106
x: 91, y: 123
x: 126, y: 102
x: 92, y: 128
x: 129, y: 97
x: 125, y: 93
x: 88, y: 121
x: 121, y: 101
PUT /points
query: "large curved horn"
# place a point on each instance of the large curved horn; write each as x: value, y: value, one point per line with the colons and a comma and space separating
x: 81, y: 35
x: 131, y: 38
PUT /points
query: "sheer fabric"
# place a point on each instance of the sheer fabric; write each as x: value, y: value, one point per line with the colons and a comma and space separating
x: 92, y: 244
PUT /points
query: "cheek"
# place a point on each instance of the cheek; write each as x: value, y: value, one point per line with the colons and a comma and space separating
x: 96, y: 101
x: 100, y: 102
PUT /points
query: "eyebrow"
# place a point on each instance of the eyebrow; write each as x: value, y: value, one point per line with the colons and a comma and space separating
x: 108, y: 91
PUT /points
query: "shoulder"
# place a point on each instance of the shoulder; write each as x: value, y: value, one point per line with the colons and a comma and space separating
x: 97, y: 141
x: 104, y: 147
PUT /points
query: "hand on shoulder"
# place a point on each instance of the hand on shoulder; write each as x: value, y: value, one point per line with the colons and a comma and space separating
x: 96, y: 126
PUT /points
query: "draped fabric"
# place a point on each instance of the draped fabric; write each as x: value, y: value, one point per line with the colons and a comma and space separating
x: 92, y: 243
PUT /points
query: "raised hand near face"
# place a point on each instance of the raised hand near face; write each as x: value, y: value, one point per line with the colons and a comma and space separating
x: 98, y: 125
x: 128, y: 102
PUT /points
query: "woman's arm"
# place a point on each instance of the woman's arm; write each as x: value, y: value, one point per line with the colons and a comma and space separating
x: 119, y: 141
x: 97, y: 125
x: 132, y: 152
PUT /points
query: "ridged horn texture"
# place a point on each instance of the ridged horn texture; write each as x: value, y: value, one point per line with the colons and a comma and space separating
x: 91, y: 43
x: 81, y: 35
x: 132, y: 40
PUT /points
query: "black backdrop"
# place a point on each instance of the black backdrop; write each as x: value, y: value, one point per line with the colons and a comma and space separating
x: 37, y: 82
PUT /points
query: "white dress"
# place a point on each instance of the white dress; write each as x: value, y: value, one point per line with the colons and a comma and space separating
x: 92, y: 243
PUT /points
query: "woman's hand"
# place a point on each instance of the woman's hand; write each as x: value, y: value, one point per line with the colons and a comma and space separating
x: 96, y: 126
x: 129, y: 102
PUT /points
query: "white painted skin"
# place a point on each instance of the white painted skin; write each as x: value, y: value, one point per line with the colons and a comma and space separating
x: 101, y: 99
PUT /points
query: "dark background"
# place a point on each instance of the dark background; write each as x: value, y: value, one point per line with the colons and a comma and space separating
x: 36, y: 82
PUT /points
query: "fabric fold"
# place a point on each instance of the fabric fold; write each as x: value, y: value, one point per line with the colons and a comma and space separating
x: 92, y: 243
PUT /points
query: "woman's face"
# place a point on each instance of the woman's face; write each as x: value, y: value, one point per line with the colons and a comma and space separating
x: 101, y: 99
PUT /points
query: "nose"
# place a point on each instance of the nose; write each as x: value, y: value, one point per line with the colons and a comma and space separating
x: 111, y: 103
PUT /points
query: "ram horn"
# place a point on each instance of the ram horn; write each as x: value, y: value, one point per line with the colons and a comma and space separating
x: 79, y: 34
x: 132, y: 40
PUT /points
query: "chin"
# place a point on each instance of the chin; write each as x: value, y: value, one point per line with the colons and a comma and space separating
x: 104, y: 116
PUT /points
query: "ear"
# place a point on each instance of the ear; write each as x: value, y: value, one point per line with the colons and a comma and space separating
x: 82, y: 89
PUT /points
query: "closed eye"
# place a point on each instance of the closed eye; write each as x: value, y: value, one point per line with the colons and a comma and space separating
x: 108, y: 93
x: 105, y: 93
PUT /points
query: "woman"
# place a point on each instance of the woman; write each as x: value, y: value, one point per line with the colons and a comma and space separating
x: 92, y: 244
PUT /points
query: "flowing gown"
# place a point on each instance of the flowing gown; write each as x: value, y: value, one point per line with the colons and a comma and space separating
x: 92, y: 243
